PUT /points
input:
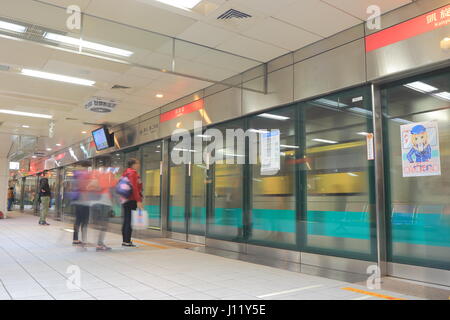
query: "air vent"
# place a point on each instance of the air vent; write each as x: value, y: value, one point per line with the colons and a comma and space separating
x: 230, y: 14
x: 117, y: 86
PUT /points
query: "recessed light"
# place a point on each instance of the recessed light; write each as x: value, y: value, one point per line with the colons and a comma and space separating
x: 160, y: 95
x: 26, y: 114
x: 57, y: 77
x: 49, y: 149
x: 25, y: 126
x: 273, y: 116
x: 87, y: 44
x: 325, y: 141
x: 12, y: 27
x: 182, y: 4
x: 58, y: 145
x: 83, y: 132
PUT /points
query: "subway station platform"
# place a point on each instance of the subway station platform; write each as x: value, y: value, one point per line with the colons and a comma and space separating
x: 37, y: 262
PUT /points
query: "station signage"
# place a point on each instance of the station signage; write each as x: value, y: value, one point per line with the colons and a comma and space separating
x: 181, y: 111
x: 422, y: 24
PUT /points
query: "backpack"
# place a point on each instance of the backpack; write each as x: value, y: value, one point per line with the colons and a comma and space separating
x: 124, y: 187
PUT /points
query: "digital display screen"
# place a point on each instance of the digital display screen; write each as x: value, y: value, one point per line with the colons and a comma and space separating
x: 101, y: 139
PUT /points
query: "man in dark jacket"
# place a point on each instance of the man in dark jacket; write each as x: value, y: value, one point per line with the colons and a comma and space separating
x: 44, y: 194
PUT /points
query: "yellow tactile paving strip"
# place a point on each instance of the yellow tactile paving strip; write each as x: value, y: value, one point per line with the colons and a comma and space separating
x: 372, y: 293
x: 151, y: 245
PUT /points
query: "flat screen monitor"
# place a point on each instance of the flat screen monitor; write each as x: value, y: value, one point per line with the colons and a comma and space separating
x: 102, y: 139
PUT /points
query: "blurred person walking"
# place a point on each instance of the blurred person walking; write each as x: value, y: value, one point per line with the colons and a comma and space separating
x: 102, y: 208
x: 133, y: 202
x: 10, y: 198
x: 80, y: 203
x: 44, y: 197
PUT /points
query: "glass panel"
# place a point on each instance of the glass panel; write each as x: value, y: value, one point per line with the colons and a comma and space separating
x: 29, y: 193
x: 273, y: 213
x: 152, y: 182
x: 226, y: 220
x: 177, y: 195
x: 417, y: 139
x: 52, y: 180
x: 197, y: 220
x: 337, y: 175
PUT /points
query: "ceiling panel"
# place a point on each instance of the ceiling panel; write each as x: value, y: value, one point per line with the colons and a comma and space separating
x: 359, y: 8
x: 281, y: 34
x: 252, y: 48
x: 206, y: 34
x: 17, y: 53
x: 141, y: 15
x: 317, y: 17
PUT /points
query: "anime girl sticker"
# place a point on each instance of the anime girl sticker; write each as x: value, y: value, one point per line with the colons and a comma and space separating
x: 420, y: 149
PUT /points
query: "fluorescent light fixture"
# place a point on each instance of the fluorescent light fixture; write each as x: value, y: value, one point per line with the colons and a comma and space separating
x: 58, y: 145
x: 273, y: 116
x: 12, y: 27
x: 420, y: 86
x: 159, y: 95
x: 331, y: 103
x: 57, y: 77
x: 34, y: 157
x: 443, y: 95
x: 25, y: 126
x: 182, y: 4
x: 402, y: 121
x: 325, y: 141
x: 87, y: 44
x: 26, y: 114
x: 83, y: 132
x: 258, y: 131
x: 288, y: 147
x: 49, y: 149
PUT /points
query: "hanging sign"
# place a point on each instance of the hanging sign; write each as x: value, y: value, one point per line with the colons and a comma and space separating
x: 270, y: 152
x: 420, y: 149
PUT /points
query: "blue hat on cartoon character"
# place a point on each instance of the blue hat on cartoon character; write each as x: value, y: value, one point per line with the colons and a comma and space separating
x: 418, y: 129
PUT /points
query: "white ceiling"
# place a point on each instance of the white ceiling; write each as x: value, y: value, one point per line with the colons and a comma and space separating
x: 276, y: 27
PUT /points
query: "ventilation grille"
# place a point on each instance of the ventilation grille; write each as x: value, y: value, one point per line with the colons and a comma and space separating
x: 232, y: 13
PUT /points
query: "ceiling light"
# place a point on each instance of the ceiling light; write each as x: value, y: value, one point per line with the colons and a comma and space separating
x: 57, y: 77
x: 87, y: 44
x: 331, y: 103
x: 160, y: 95
x: 34, y: 157
x: 26, y: 114
x: 12, y: 27
x: 273, y: 116
x: 420, y: 86
x: 83, y: 132
x: 49, y: 149
x: 325, y: 141
x: 182, y: 4
x: 58, y: 145
x: 25, y: 126
x: 443, y: 95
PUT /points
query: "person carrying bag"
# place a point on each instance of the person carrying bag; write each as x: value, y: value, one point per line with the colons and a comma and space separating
x: 129, y: 189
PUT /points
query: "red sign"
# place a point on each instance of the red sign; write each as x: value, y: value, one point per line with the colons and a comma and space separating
x: 425, y: 23
x: 181, y: 111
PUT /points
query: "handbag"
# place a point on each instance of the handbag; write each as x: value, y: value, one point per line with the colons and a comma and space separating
x: 139, y: 219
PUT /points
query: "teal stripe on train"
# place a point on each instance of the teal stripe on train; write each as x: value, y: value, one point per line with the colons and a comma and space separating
x: 423, y: 229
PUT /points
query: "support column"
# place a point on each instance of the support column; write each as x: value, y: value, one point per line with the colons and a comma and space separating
x: 4, y: 167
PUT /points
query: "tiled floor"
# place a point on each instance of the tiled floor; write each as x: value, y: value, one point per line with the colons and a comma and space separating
x: 36, y: 263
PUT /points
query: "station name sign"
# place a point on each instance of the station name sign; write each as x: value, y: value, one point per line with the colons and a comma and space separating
x: 181, y: 111
x: 422, y: 24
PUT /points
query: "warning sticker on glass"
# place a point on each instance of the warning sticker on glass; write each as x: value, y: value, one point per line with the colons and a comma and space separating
x: 370, y: 150
x: 420, y: 149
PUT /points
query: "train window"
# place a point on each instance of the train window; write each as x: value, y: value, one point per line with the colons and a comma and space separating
x: 336, y: 175
x: 273, y: 203
x: 417, y: 180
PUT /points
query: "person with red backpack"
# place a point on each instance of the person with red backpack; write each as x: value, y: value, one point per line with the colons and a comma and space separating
x: 132, y: 200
